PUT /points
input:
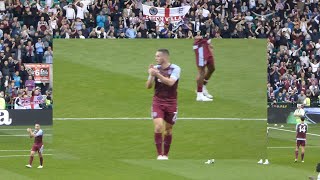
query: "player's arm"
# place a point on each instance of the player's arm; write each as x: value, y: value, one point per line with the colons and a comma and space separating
x: 172, y: 79
x: 151, y: 77
x: 165, y: 80
x: 150, y: 82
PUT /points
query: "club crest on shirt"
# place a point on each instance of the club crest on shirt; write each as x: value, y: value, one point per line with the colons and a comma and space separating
x: 159, y: 80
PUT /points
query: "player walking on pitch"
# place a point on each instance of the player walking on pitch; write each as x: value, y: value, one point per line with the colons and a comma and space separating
x: 37, y: 134
x: 165, y: 76
x: 301, y: 139
x: 205, y: 63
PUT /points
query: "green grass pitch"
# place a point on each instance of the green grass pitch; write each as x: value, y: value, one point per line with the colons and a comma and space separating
x: 98, y: 79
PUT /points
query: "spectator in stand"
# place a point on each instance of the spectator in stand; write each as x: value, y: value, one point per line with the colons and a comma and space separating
x: 5, y: 69
x: 131, y: 32
x: 39, y: 51
x: 70, y: 12
x: 101, y: 19
x: 48, y: 55
x: 17, y: 80
x: 29, y: 53
x: 30, y: 84
x: 23, y: 74
x: 80, y: 9
x: 301, y: 98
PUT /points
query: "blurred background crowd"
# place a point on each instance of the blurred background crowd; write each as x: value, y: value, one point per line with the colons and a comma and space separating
x: 27, y: 29
x: 293, y: 51
x: 25, y: 38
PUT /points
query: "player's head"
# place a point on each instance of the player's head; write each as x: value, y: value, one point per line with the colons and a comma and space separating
x: 37, y: 126
x: 162, y: 56
x: 302, y: 118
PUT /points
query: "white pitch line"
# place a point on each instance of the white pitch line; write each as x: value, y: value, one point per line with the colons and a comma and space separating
x: 292, y: 131
x: 145, y: 118
x: 20, y: 129
x: 4, y: 150
x: 10, y: 150
x: 20, y: 135
x: 291, y: 147
x: 22, y: 155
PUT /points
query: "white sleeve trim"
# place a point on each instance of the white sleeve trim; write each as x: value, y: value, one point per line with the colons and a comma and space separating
x: 175, y: 73
x: 39, y: 133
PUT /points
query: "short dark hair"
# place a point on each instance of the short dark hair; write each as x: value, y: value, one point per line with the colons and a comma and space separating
x: 302, y: 118
x: 164, y: 51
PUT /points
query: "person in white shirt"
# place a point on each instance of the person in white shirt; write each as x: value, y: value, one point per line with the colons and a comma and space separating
x: 304, y: 59
x: 196, y: 24
x: 49, y: 3
x: 80, y: 9
x: 294, y: 52
x: 101, y: 33
x: 70, y: 12
x: 314, y: 65
x: 53, y: 22
x: 304, y: 25
x: 286, y: 30
x: 2, y: 6
x: 252, y: 4
x: 203, y: 12
x: 262, y: 17
x: 299, y: 112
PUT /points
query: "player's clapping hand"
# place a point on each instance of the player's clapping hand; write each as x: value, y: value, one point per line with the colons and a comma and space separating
x: 151, y: 66
x: 28, y: 130
x: 150, y: 71
x: 153, y: 71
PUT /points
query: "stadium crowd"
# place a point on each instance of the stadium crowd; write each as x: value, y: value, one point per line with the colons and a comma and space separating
x: 293, y: 51
x: 24, y: 38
